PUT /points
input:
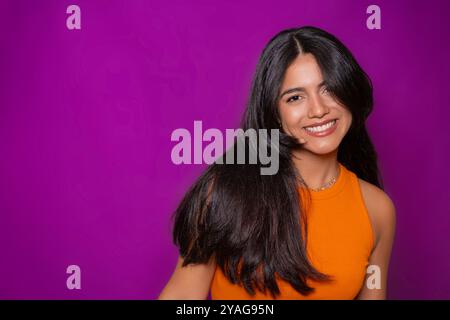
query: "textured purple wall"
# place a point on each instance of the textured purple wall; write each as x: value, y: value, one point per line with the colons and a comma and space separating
x: 86, y: 117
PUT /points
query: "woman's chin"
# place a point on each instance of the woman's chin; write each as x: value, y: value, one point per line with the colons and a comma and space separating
x: 321, y: 149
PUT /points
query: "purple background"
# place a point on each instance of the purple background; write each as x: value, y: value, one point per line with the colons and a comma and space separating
x: 86, y: 116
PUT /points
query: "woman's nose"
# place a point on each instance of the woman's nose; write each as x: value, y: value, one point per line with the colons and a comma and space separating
x: 317, y: 108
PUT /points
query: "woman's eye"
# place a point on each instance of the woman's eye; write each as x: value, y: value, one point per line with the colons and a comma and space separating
x: 293, y: 98
x: 326, y: 91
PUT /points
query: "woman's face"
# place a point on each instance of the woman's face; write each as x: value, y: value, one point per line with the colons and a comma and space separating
x: 305, y: 102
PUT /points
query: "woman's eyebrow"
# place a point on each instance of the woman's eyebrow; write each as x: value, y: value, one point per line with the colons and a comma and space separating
x: 299, y: 89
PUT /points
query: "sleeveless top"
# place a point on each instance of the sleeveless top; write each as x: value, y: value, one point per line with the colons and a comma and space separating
x: 340, y: 240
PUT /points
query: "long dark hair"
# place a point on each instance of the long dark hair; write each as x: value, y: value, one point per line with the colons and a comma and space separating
x: 253, y: 225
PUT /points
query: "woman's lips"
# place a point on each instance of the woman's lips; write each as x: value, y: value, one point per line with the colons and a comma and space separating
x: 325, y: 132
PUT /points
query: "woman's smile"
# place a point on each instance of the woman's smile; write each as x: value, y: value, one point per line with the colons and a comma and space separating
x: 322, y: 130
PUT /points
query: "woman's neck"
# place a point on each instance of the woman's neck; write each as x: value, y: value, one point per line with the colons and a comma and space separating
x: 316, y: 169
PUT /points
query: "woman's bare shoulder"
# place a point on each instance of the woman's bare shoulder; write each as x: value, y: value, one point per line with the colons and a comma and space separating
x: 380, y: 207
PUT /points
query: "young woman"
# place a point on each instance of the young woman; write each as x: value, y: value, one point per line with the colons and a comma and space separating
x: 312, y: 230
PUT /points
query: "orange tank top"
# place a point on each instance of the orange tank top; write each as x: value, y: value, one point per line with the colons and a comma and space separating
x: 339, y: 243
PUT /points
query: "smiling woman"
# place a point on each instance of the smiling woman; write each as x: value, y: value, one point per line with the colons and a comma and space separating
x: 311, y: 230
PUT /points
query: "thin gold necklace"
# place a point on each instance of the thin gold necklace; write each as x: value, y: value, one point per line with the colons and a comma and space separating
x: 328, y: 184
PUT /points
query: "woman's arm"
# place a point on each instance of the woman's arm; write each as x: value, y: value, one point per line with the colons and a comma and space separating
x: 383, y: 216
x: 191, y: 282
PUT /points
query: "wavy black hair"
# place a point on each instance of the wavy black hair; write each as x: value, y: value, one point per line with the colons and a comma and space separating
x: 253, y: 225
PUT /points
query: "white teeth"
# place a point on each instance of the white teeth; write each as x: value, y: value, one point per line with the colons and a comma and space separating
x: 321, y: 128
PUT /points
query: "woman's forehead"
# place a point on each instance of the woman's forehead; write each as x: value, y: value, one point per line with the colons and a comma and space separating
x: 303, y: 72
